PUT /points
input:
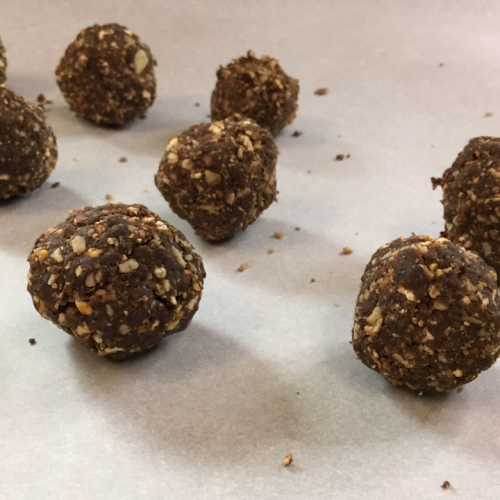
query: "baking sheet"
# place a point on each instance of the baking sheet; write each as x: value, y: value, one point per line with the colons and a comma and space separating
x: 266, y: 368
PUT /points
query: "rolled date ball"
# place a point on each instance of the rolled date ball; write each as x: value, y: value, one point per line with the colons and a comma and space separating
x: 220, y: 176
x: 116, y: 277
x: 256, y: 88
x: 471, y: 199
x: 107, y: 75
x: 3, y: 63
x: 427, y: 315
x: 28, y: 151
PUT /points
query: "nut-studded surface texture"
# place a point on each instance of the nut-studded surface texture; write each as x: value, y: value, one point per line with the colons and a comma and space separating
x: 256, y: 88
x: 3, y: 63
x: 107, y: 75
x: 116, y: 277
x: 427, y: 314
x: 28, y: 150
x: 221, y: 176
x: 471, y: 199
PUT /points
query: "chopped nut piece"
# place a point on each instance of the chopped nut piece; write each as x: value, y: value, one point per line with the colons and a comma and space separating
x: 321, y: 91
x: 488, y: 114
x: 278, y: 235
x: 78, y: 244
x: 84, y: 307
x: 346, y: 250
x: 271, y: 250
x: 242, y: 267
x: 128, y: 266
x: 109, y: 198
x: 288, y: 460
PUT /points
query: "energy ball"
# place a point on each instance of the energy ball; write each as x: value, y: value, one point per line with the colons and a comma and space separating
x: 28, y: 151
x: 427, y: 314
x: 116, y: 277
x: 256, y: 88
x: 471, y: 199
x: 3, y: 63
x: 220, y: 176
x: 107, y: 75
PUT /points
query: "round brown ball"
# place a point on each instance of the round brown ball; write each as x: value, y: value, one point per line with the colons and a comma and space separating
x: 256, y: 88
x: 220, y: 176
x: 471, y: 199
x: 427, y: 314
x: 107, y: 75
x: 117, y: 278
x: 28, y: 150
x: 3, y: 63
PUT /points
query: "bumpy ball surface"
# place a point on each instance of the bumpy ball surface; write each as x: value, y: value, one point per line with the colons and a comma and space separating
x: 471, y: 199
x: 28, y: 151
x: 107, y: 75
x: 256, y: 88
x: 221, y: 176
x: 3, y: 63
x: 427, y: 315
x: 116, y: 277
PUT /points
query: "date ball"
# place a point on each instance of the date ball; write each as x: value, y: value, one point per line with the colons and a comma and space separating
x: 107, y: 75
x: 3, y: 63
x: 220, y: 176
x: 427, y: 314
x: 28, y: 151
x: 256, y: 88
x: 471, y: 199
x: 116, y: 277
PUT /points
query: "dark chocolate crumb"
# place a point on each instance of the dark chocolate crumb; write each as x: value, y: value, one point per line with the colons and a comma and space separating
x: 446, y: 485
x: 41, y: 98
x: 197, y: 104
x: 312, y: 280
x: 321, y: 91
x: 348, y: 156
x: 56, y: 184
x: 298, y: 393
x: 297, y: 229
x: 122, y: 159
x: 441, y: 65
x: 32, y: 341
x: 339, y: 157
x: 297, y: 133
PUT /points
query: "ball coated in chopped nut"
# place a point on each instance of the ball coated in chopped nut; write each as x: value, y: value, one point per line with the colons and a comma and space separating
x: 471, y: 199
x: 116, y: 277
x: 256, y: 88
x: 427, y: 314
x: 28, y: 151
x: 3, y: 63
x: 107, y: 75
x: 220, y: 176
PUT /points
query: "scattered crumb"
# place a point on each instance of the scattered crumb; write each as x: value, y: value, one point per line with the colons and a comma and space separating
x: 441, y: 65
x: 76, y: 158
x: 461, y: 388
x: 321, y: 91
x: 122, y: 159
x: 339, y: 157
x: 336, y: 305
x: 297, y: 133
x: 308, y: 171
x: 488, y: 114
x: 32, y: 341
x: 109, y: 198
x: 56, y: 184
x: 42, y: 101
x: 446, y: 485
x: 297, y: 229
x: 420, y: 393
x: 197, y: 104
x: 278, y: 235
x: 271, y: 250
x: 288, y: 459
x: 298, y: 393
x: 312, y: 280
x: 346, y: 250
x: 242, y: 267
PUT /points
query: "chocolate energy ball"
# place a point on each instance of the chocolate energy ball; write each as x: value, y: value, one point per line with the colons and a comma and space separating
x: 28, y: 151
x: 220, y: 176
x: 3, y: 63
x: 427, y: 314
x: 116, y: 277
x: 256, y: 88
x: 471, y: 199
x: 107, y: 75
